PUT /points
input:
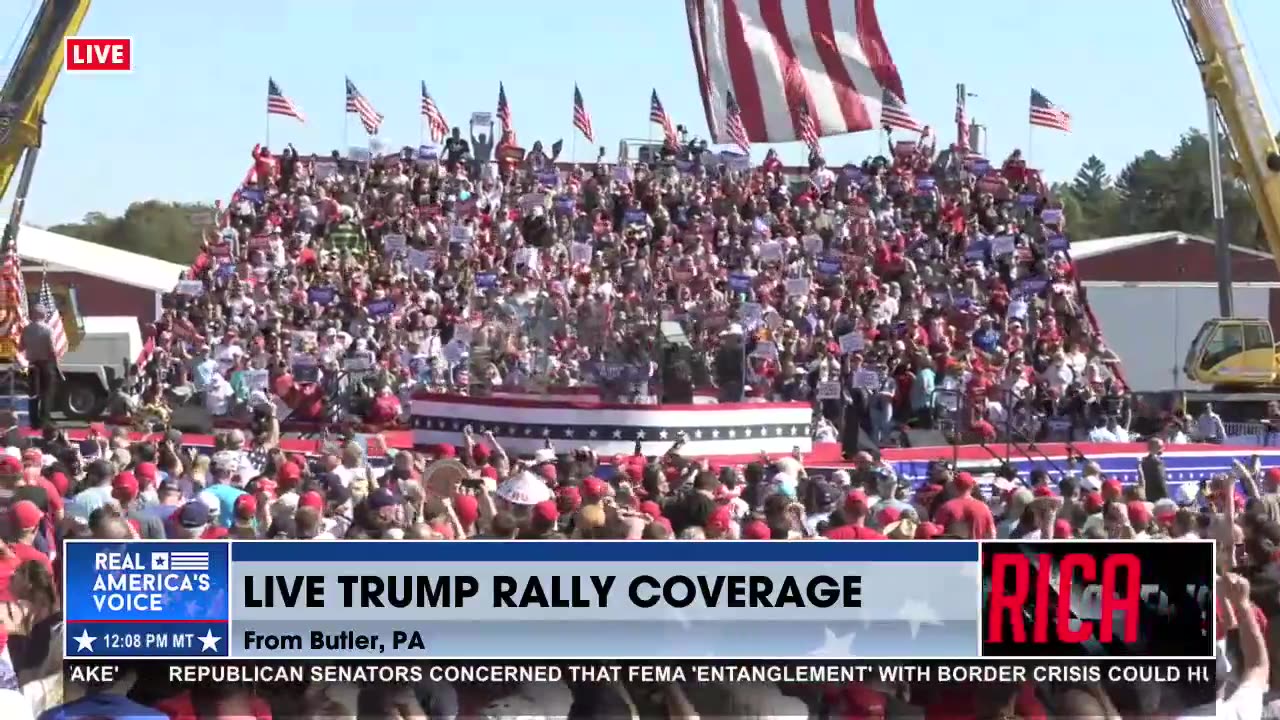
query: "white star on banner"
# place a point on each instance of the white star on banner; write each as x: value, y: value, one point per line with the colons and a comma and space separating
x: 84, y: 641
x: 834, y: 645
x: 917, y: 613
x: 209, y: 641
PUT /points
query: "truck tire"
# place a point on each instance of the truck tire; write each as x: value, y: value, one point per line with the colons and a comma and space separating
x: 81, y: 399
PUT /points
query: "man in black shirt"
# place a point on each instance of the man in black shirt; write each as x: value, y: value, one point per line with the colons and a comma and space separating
x: 455, y: 148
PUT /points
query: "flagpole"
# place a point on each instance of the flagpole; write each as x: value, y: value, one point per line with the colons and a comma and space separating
x: 268, y: 138
x: 1030, y: 135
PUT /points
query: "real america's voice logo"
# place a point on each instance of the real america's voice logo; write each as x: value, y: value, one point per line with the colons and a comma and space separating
x: 125, y: 581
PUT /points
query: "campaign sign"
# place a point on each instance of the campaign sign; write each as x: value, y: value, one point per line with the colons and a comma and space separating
x: 147, y: 599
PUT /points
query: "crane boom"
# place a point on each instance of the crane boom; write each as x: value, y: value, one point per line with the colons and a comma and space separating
x: 31, y: 79
x: 1210, y: 27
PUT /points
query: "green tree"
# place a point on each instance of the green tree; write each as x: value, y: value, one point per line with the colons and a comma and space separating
x: 158, y: 229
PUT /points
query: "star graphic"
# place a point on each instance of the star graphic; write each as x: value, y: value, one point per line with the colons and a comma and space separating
x: 593, y: 433
x: 209, y: 641
x: 715, y: 434
x: 546, y: 432
x: 568, y: 432
x: 84, y: 641
x: 916, y: 613
x: 640, y: 435
x: 733, y: 434
x: 662, y: 435
x: 834, y: 645
x: 617, y: 434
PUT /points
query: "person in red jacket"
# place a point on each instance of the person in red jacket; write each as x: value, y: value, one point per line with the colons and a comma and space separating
x: 264, y: 166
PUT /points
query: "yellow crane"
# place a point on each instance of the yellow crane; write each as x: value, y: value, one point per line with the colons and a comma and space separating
x: 1233, y: 353
x: 22, y: 102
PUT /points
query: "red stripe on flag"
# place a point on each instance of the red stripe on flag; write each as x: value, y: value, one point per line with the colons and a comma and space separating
x: 822, y: 27
x: 794, y: 86
x: 746, y: 90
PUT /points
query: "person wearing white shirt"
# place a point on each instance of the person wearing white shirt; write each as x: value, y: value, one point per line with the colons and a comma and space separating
x: 1209, y: 426
x: 1058, y: 375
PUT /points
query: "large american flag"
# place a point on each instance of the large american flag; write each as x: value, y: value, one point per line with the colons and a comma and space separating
x: 278, y: 104
x: 772, y: 55
x: 431, y: 114
x: 13, y: 296
x: 360, y: 105
x: 737, y: 132
x: 581, y: 119
x: 1046, y: 114
x: 808, y: 131
x: 504, y: 113
x: 659, y: 115
x: 894, y: 114
x: 53, y: 317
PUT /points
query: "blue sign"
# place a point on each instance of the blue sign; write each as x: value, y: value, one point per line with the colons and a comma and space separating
x: 830, y: 265
x: 1028, y: 199
x: 550, y: 178
x: 322, y: 295
x: 428, y: 152
x: 564, y: 205
x: 377, y: 308
x: 977, y: 249
x: 1032, y: 286
x: 635, y: 217
x: 486, y: 280
x: 740, y: 281
x: 1058, y: 243
x: 147, y: 599
x: 925, y: 184
x: 981, y: 167
x: 253, y: 195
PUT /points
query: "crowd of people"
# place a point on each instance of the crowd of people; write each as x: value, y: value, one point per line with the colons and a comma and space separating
x: 916, y: 289
x: 113, y: 485
x: 921, y: 287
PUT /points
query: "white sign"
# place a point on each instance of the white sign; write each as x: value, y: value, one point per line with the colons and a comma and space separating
x: 852, y: 342
x: 771, y: 251
x: 828, y: 390
x: 394, y: 243
x: 481, y: 119
x: 462, y: 333
x: 797, y: 287
x: 461, y: 234
x: 418, y: 259
x: 622, y: 173
x: 866, y: 379
x: 812, y: 244
x: 751, y: 315
x: 580, y: 253
x: 257, y: 379
x: 325, y: 169
x: 357, y: 364
x: 533, y: 200
x: 1002, y: 245
x: 192, y: 288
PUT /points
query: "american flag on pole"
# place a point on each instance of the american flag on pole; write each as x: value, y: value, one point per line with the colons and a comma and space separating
x: 431, y: 114
x: 771, y: 55
x: 504, y: 113
x: 581, y: 119
x: 278, y: 104
x: 894, y: 114
x: 13, y: 297
x: 1046, y: 114
x: 53, y: 317
x: 360, y: 105
x: 808, y: 131
x: 737, y: 132
x: 659, y: 115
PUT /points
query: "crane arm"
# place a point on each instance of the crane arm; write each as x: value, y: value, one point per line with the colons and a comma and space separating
x: 31, y: 79
x: 1215, y: 43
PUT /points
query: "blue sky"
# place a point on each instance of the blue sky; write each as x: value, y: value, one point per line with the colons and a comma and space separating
x: 181, y: 126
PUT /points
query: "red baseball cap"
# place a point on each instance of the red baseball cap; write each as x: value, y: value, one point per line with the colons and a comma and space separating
x: 27, y: 515
x: 311, y: 499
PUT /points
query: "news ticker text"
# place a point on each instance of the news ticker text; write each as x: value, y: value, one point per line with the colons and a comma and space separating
x: 361, y: 601
x: 1196, y: 674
